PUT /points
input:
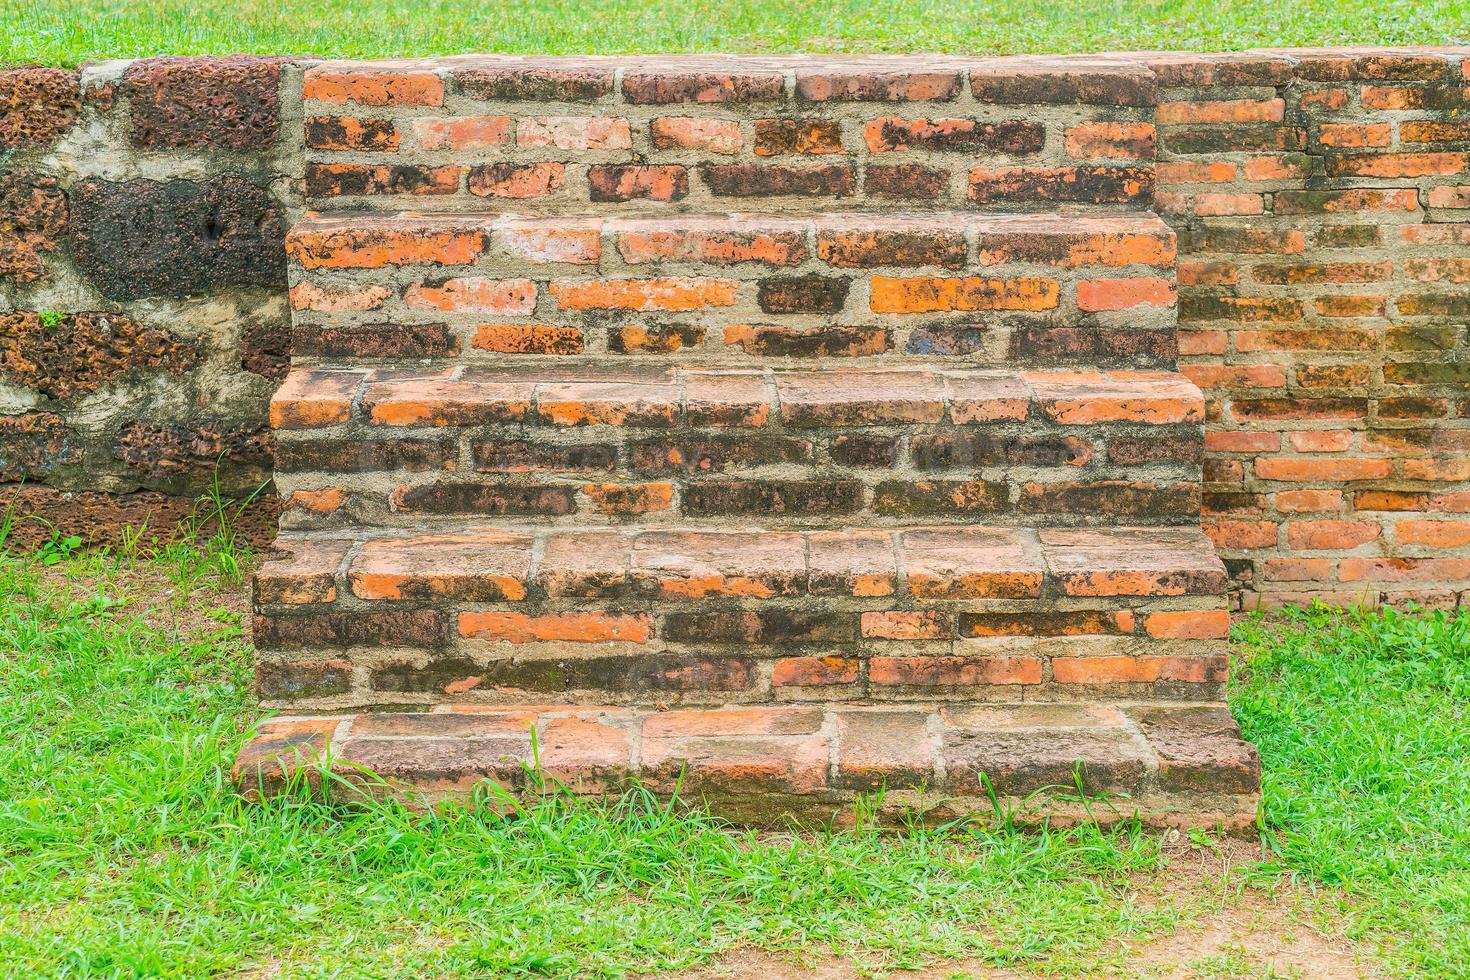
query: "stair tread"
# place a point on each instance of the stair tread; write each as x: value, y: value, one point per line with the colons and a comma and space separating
x: 920, y: 563
x: 1159, y: 761
x: 659, y: 397
x: 365, y: 240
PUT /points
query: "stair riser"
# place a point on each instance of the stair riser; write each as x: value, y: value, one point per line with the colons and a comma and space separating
x: 991, y: 669
x: 780, y: 138
x: 736, y: 292
x: 1034, y: 474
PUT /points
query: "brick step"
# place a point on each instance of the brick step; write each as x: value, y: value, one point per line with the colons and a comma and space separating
x: 653, y: 616
x: 1172, y: 766
x: 1034, y: 289
x: 630, y: 134
x: 806, y: 447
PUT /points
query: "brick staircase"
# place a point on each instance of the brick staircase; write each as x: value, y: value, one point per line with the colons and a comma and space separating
x: 790, y: 428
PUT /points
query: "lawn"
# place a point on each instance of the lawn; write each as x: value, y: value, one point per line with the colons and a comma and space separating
x: 125, y: 689
x: 65, y: 32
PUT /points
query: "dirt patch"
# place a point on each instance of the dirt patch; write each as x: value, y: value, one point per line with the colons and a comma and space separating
x: 1241, y: 932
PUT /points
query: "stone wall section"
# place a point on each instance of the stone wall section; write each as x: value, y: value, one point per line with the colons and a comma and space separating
x: 143, y: 314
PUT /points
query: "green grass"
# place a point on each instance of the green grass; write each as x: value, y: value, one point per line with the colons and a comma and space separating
x: 1363, y: 721
x: 65, y: 32
x: 125, y: 691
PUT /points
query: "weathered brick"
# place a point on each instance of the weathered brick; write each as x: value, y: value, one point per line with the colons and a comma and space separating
x: 909, y: 182
x: 797, y: 137
x: 891, y: 133
x: 84, y: 352
x: 33, y: 221
x: 462, y: 133
x: 37, y: 105
x: 574, y: 132
x: 359, y: 179
x: 517, y: 181
x: 613, y: 183
x: 1077, y: 184
x: 200, y: 102
x: 666, y: 87
x: 691, y: 133
x: 747, y: 180
x: 937, y: 294
x: 773, y: 497
x: 326, y: 83
x: 676, y: 294
x: 803, y: 294
x: 535, y: 83
x: 834, y: 341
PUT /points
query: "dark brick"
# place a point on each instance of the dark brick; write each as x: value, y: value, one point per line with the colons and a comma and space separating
x: 358, y: 179
x: 351, y: 133
x: 37, y: 105
x: 803, y: 294
x: 414, y: 628
x: 773, y: 497
x: 868, y: 452
x: 862, y: 249
x: 1111, y: 498
x: 230, y: 103
x: 535, y: 84
x: 526, y: 457
x: 1136, y: 450
x: 752, y: 626
x: 1231, y: 139
x: 1094, y: 345
x: 876, y: 85
x: 34, y: 444
x: 1079, y: 184
x: 938, y: 497
x: 265, y: 349
x: 1084, y: 623
x: 657, y: 338
x: 777, y: 341
x: 787, y: 137
x: 623, y: 182
x: 963, y: 450
x: 1064, y: 85
x: 33, y: 220
x: 108, y: 518
x: 302, y: 678
x: 489, y: 500
x: 1013, y: 136
x: 748, y: 180
x: 909, y: 182
x: 85, y: 351
x: 664, y: 87
x: 364, y: 456
x: 145, y: 238
x: 717, y: 453
x: 385, y: 340
x: 949, y: 339
x: 660, y: 673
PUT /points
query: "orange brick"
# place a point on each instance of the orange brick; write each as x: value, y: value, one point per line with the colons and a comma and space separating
x: 689, y: 133
x: 814, y: 671
x: 1241, y: 534
x: 528, y: 338
x: 1110, y: 140
x: 1138, y: 670
x: 920, y: 671
x: 1275, y: 168
x: 321, y: 502
x: 1355, y: 134
x: 1234, y: 111
x: 1434, y: 534
x: 935, y: 294
x: 1298, y: 569
x: 313, y: 399
x: 1223, y: 441
x: 337, y: 299
x: 474, y: 294
x: 1095, y: 295
x: 1221, y: 205
x: 406, y: 88
x: 1207, y: 624
x: 1214, y: 172
x: 672, y: 293
x: 569, y: 627
x: 1329, y: 441
x: 1304, y: 470
x: 375, y: 248
x: 1399, y: 164
x: 1330, y: 535
x: 899, y: 625
x: 1242, y: 376
x: 1299, y: 501
x: 1446, y: 470
x: 462, y: 133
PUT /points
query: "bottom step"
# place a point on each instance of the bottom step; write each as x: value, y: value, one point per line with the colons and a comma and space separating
x: 760, y: 765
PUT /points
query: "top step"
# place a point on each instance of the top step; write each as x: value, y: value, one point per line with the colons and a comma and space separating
x: 621, y: 135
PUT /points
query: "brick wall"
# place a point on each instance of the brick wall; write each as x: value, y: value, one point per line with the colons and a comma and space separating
x: 1323, y: 204
x: 1322, y: 201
